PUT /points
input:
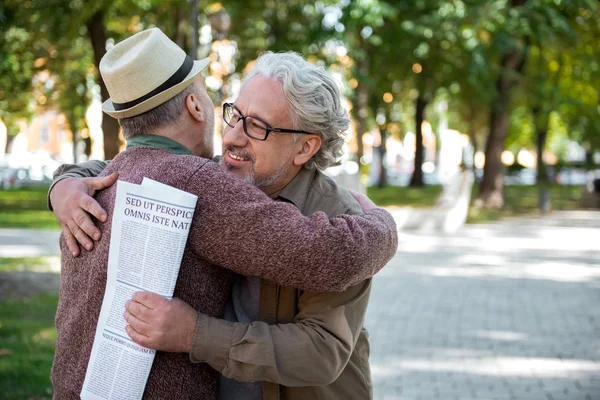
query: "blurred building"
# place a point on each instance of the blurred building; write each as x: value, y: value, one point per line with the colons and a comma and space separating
x: 49, y: 133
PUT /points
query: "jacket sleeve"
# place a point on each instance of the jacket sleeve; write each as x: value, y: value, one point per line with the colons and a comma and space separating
x: 238, y: 227
x: 82, y: 170
x: 312, y: 351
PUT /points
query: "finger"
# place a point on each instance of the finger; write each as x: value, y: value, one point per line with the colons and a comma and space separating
x: 138, y: 310
x: 103, y: 182
x: 137, y: 324
x: 136, y: 336
x: 71, y: 242
x: 148, y: 299
x: 85, y: 223
x: 80, y: 235
x: 90, y: 205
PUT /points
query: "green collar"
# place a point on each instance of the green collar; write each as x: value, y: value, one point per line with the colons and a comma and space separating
x: 159, y: 141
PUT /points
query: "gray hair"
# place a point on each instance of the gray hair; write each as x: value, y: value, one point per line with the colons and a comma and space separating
x: 161, y: 116
x: 314, y: 99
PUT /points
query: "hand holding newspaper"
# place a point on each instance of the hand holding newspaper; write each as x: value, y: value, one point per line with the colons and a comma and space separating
x: 150, y: 226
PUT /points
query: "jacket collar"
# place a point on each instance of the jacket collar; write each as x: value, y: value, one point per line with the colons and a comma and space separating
x: 297, y: 190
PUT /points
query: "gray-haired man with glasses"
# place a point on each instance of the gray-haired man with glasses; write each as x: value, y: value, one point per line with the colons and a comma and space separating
x: 278, y: 342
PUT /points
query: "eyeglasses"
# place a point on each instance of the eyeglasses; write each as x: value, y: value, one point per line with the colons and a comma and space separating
x: 254, y: 127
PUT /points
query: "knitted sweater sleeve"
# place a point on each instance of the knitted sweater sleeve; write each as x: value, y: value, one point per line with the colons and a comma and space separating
x: 238, y: 227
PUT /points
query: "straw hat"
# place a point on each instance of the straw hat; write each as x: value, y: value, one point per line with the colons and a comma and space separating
x: 144, y: 71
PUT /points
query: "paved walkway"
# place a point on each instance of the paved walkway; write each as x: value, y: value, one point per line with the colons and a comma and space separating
x: 500, y: 311
x: 28, y: 243
x: 447, y: 216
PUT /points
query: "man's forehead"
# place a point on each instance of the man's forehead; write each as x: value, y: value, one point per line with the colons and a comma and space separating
x: 263, y: 97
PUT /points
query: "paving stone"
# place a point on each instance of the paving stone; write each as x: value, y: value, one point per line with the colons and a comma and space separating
x: 506, y: 310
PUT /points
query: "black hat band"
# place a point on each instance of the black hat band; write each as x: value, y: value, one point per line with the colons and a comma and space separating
x: 176, y: 78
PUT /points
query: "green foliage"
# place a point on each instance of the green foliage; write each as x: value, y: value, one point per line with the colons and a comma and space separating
x: 521, y: 130
x: 579, y: 83
x: 559, y: 94
x: 442, y: 49
x: 18, y: 52
x: 52, y: 37
x: 44, y: 64
x: 27, y: 337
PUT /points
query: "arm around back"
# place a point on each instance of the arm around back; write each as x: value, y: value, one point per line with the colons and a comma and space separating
x: 86, y: 169
x: 238, y: 227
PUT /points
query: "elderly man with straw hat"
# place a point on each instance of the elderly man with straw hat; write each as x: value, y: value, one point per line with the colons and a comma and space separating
x: 159, y: 97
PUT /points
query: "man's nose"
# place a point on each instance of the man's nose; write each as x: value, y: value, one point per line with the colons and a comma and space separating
x: 235, y: 136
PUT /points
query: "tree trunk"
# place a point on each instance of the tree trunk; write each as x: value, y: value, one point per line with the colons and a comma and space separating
x: 9, y: 140
x: 75, y: 142
x: 362, y: 104
x: 88, y: 147
x: 542, y: 173
x: 417, y: 176
x: 382, y: 179
x: 545, y: 102
x: 195, y: 28
x: 472, y: 137
x: 491, y: 190
x: 491, y: 193
x: 589, y: 157
x: 110, y: 126
x: 179, y: 25
x: 541, y: 130
x: 540, y: 118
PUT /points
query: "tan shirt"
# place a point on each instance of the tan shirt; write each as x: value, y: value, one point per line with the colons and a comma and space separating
x: 307, y: 345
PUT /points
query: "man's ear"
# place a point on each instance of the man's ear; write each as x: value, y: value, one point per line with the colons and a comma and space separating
x: 310, y: 144
x: 194, y: 107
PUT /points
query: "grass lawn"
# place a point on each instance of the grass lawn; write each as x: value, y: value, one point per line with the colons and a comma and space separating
x: 36, y: 264
x: 425, y: 196
x: 27, y: 338
x: 522, y: 200
x: 27, y: 333
x: 26, y: 208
